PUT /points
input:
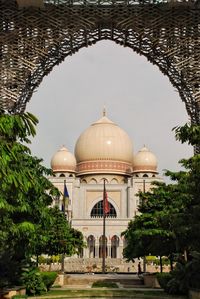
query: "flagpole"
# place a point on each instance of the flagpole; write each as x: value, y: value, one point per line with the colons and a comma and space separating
x: 104, y: 231
x: 63, y: 255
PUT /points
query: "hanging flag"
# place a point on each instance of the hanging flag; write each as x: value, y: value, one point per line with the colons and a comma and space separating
x: 65, y: 198
x: 106, y: 203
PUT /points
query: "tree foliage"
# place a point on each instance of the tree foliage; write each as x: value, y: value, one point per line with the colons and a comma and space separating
x: 188, y: 133
x: 169, y: 222
x: 152, y: 232
x: 60, y: 237
x: 25, y: 197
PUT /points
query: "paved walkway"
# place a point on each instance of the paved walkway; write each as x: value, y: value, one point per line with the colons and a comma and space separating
x: 123, y: 281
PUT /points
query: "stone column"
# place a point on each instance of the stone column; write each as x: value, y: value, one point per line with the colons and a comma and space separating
x: 120, y: 249
x: 109, y: 247
x: 109, y: 251
x: 85, y: 252
x: 96, y: 251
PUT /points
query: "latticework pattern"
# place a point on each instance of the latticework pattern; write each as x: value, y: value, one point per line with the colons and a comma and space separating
x: 36, y: 35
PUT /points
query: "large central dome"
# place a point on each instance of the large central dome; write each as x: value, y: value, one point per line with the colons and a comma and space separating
x: 104, y: 147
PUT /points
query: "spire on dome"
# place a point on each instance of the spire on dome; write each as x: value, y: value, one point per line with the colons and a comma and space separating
x: 104, y: 110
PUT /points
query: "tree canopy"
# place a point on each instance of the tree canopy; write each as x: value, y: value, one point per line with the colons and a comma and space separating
x: 169, y: 220
x: 25, y: 199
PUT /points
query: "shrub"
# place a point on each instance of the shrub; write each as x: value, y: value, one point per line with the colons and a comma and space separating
x: 33, y: 282
x: 41, y: 259
x: 163, y: 279
x: 174, y: 287
x: 165, y: 261
x: 193, y: 271
x: 48, y: 278
x: 186, y: 275
x: 56, y: 258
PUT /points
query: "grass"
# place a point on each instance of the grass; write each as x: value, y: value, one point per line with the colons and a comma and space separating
x: 104, y: 284
x: 122, y: 293
x: 19, y: 296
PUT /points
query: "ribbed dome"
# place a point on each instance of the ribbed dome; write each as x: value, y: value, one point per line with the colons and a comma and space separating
x: 145, y: 161
x: 63, y: 161
x: 104, y: 147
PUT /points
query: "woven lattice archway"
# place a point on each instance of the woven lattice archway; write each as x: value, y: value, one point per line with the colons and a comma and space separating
x: 36, y: 35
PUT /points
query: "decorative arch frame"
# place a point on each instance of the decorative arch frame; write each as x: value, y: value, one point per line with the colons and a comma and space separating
x: 92, y: 181
x: 114, y: 181
x: 84, y: 181
x: 37, y: 35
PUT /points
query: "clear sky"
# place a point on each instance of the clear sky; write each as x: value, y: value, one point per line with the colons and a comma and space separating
x: 137, y: 96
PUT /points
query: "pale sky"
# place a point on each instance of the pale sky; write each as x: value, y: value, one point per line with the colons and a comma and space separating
x: 137, y: 96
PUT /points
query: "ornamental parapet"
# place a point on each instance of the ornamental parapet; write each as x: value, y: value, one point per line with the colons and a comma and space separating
x: 104, y: 166
x: 141, y: 168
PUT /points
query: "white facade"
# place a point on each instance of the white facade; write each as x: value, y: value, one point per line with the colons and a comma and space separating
x: 107, y: 156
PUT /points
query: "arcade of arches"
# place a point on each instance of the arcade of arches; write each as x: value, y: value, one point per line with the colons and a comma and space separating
x: 103, y: 152
x: 95, y: 247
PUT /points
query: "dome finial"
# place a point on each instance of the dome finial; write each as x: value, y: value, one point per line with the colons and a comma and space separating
x: 104, y: 110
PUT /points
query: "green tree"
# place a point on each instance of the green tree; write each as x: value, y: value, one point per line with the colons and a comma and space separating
x: 169, y: 220
x: 60, y: 237
x: 152, y: 231
x: 25, y: 197
x: 186, y: 274
x: 190, y: 180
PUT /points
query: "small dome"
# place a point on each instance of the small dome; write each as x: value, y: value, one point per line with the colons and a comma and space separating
x: 63, y: 161
x: 104, y: 147
x: 145, y: 161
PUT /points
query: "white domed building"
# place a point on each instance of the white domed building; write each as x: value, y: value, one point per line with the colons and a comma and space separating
x: 103, y: 152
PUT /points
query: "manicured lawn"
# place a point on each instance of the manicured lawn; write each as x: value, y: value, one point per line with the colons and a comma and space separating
x: 104, y: 284
x: 107, y: 293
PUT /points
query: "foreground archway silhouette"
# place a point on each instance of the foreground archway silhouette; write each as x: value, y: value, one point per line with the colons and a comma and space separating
x: 37, y: 35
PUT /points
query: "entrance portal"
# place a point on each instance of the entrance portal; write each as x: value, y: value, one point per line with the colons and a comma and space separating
x: 37, y: 35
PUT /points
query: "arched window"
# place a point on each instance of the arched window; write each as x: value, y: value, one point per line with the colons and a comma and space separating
x: 145, y: 175
x: 101, y: 247
x: 97, y: 210
x: 114, y: 246
x: 91, y: 246
x: 62, y: 175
